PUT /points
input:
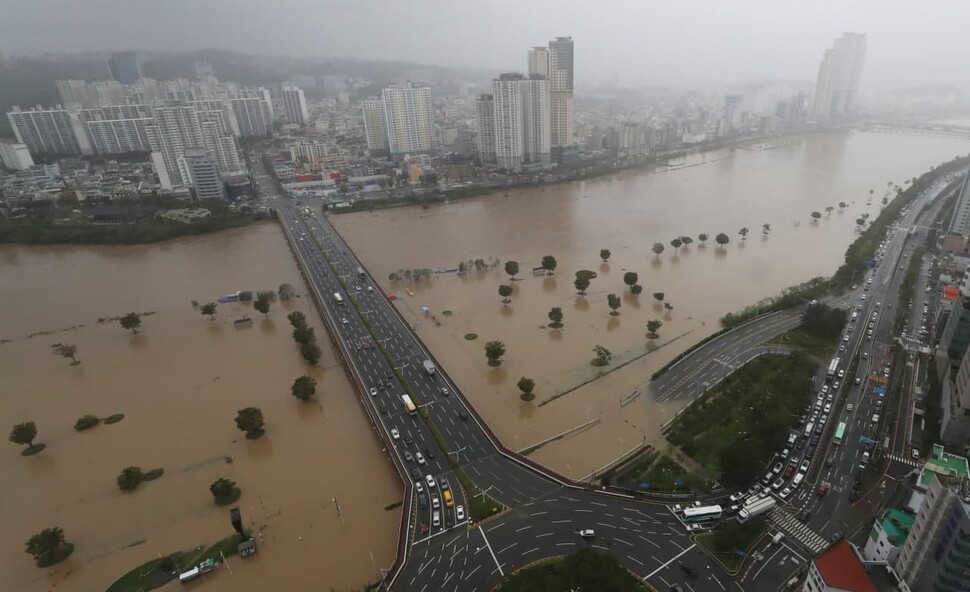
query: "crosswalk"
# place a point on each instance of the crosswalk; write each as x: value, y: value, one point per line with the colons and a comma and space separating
x: 905, y: 461
x: 798, y: 531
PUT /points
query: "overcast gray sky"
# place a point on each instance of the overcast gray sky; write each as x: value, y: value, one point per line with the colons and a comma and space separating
x: 664, y: 42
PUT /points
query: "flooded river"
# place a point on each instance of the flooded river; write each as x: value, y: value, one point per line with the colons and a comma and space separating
x: 715, y: 192
x: 179, y: 383
x: 181, y: 379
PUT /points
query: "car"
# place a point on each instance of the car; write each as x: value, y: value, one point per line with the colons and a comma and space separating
x: 343, y: 320
x: 395, y: 434
x: 835, y: 386
x: 418, y: 456
x: 408, y: 440
x: 422, y: 500
x: 825, y: 388
x: 444, y: 484
x: 915, y: 454
x: 857, y: 381
x: 416, y: 473
x: 875, y: 418
x: 408, y: 456
x: 777, y: 468
x: 373, y: 391
x: 827, y: 408
x: 366, y: 344
x: 429, y: 453
x: 430, y: 481
x: 841, y: 373
x: 849, y: 407
x: 735, y: 497
x: 804, y: 515
x: 786, y: 492
x: 823, y: 488
x: 435, y: 501
x: 804, y: 466
x: 695, y: 527
x: 462, y: 416
x: 863, y: 297
x: 419, y: 486
x: 436, y: 518
x: 383, y: 410
x: 587, y: 533
x: 784, y: 454
x: 424, y: 528
x: 789, y: 471
x: 778, y: 484
x: 676, y: 588
x: 830, y: 461
x: 766, y: 480
x: 865, y: 355
x: 460, y: 512
x: 688, y: 570
x: 445, y: 391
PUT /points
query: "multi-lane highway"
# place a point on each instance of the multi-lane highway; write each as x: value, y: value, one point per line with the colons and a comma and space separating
x: 442, y: 435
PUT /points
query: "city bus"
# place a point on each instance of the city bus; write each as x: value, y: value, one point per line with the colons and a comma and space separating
x: 840, y: 433
x: 409, y: 405
x: 338, y: 298
x: 833, y: 368
x: 702, y: 514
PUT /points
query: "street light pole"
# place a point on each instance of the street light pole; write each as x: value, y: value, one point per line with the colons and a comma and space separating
x: 339, y: 513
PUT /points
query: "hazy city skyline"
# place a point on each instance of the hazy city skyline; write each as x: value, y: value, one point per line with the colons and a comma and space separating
x: 638, y: 43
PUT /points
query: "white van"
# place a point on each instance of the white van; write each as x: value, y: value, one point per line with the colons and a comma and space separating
x: 797, y: 480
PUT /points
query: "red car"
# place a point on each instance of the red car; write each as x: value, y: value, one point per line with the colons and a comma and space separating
x: 823, y: 488
x: 790, y: 470
x: 424, y: 528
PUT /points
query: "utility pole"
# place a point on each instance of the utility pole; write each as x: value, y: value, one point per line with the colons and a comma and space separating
x: 339, y: 513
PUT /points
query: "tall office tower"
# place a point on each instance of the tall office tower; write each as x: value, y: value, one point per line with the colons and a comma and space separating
x: 535, y: 119
x: 124, y: 67
x: 15, y: 156
x: 375, y: 129
x: 539, y: 61
x: 731, y: 118
x: 203, y: 71
x: 254, y: 116
x: 201, y: 172
x: 934, y: 556
x: 485, y: 107
x: 293, y: 102
x: 837, y: 87
x: 409, y: 118
x: 561, y: 91
x: 52, y: 131
x: 509, y: 119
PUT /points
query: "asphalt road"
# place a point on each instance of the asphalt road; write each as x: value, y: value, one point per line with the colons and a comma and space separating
x: 545, y: 513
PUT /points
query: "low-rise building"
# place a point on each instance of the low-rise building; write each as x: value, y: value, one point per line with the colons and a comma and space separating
x: 838, y: 568
x: 888, y: 536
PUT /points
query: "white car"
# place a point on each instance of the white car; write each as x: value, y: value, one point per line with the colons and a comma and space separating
x: 460, y: 512
x: 395, y: 434
x: 786, y: 492
x: 431, y: 482
x: 373, y: 391
x: 435, y: 501
x: 587, y: 533
x: 420, y: 458
x: 849, y: 407
x: 419, y: 486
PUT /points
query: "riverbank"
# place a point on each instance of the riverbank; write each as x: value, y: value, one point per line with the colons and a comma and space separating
x: 554, y: 177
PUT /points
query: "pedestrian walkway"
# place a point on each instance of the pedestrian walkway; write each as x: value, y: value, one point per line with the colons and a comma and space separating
x: 810, y: 539
x: 905, y: 461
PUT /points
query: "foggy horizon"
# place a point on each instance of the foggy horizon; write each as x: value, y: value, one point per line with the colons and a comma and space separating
x: 691, y: 43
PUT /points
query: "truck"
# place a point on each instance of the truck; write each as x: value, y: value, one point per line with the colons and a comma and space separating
x: 756, y: 506
x: 429, y: 367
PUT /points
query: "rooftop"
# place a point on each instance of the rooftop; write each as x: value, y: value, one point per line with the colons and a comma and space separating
x: 945, y: 464
x: 841, y: 568
x: 897, y: 524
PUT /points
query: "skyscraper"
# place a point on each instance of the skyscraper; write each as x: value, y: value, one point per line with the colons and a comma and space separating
x: 375, y: 129
x: 560, y: 91
x: 837, y: 87
x: 409, y: 118
x: 180, y: 127
x: 539, y: 61
x: 509, y: 141
x: 254, y: 116
x: 485, y: 109
x: 15, y: 156
x: 294, y: 105
x: 535, y: 119
x: 124, y: 67
x: 202, y: 174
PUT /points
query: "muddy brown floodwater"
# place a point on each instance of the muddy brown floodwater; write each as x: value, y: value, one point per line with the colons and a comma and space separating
x: 179, y: 383
x: 709, y: 193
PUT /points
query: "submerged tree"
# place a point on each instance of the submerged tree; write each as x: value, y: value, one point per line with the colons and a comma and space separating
x: 722, y: 239
x: 494, y: 350
x: 512, y: 268
x: 505, y: 291
x: 636, y: 289
x: 702, y: 237
x: 250, y: 421
x: 630, y: 278
x: 613, y: 301
x: 659, y: 296
x: 66, y: 350
x: 130, y: 478
x: 603, y: 356
x: 657, y: 249
x: 47, y: 547
x: 526, y: 385
x: 304, y: 387
x: 131, y: 321
x: 209, y: 308
x: 24, y: 433
x: 605, y: 255
x: 652, y: 327
x: 549, y: 264
x: 555, y: 315
x: 816, y: 216
x: 676, y: 244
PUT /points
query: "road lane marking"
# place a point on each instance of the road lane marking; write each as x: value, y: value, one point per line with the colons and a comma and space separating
x: 646, y: 540
x: 495, y: 559
x: 674, y: 558
x: 565, y: 544
x: 538, y: 536
x: 539, y: 513
x: 635, y: 559
x: 530, y: 551
x: 507, y: 548
x: 526, y: 527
